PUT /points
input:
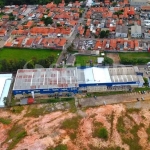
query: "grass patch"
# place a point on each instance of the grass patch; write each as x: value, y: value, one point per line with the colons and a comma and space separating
x: 148, y: 133
x: 72, y: 123
x: 105, y: 93
x: 16, y: 133
x: 52, y: 100
x: 100, y: 131
x: 17, y: 109
x: 121, y: 125
x: 134, y: 58
x: 133, y: 110
x: 142, y: 89
x: 27, y: 54
x: 35, y: 112
x: 59, y: 147
x: 73, y: 135
x: 111, y: 122
x: 5, y: 121
x: 133, y: 142
x: 82, y: 60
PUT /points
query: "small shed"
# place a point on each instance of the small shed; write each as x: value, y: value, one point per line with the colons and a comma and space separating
x: 100, y: 60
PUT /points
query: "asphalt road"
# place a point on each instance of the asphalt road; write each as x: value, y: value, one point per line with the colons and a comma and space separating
x: 70, y: 40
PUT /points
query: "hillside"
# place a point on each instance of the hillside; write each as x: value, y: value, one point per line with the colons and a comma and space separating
x: 110, y: 127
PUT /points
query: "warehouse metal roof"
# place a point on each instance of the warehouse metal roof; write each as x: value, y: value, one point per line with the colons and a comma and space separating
x: 45, y: 78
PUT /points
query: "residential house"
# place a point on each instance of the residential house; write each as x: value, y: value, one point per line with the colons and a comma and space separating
x: 121, y: 31
x: 136, y: 31
x: 5, y: 17
x: 3, y: 32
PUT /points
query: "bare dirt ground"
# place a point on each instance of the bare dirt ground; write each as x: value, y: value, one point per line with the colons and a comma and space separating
x: 46, y: 131
x: 115, y: 57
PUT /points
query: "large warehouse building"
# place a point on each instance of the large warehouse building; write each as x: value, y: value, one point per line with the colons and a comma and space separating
x: 59, y: 80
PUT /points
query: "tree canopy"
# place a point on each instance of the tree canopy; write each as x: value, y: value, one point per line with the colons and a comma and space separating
x: 30, y: 2
x: 104, y: 34
x: 47, y: 20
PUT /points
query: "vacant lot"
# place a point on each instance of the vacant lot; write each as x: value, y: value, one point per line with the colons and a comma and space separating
x: 86, y: 60
x: 27, y: 54
x: 114, y: 57
x: 134, y: 58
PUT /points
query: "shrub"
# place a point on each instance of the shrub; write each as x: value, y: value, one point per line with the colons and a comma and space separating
x: 101, y: 133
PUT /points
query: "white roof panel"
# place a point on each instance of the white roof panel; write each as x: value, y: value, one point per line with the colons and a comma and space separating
x: 5, y: 82
x: 97, y: 75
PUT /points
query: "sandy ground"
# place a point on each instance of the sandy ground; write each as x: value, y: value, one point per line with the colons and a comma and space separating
x: 45, y: 131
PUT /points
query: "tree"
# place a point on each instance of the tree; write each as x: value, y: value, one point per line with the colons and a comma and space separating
x: 107, y: 33
x: 47, y: 20
x: 6, y: 101
x: 70, y: 48
x: 114, y: 4
x: 107, y: 61
x: 146, y: 81
x: 103, y: 133
x: 102, y: 34
x: 11, y: 16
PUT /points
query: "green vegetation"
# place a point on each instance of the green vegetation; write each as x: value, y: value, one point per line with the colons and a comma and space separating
x: 132, y: 58
x: 16, y: 133
x: 131, y: 110
x: 121, y: 125
x: 17, y: 109
x: 107, y: 61
x: 101, y: 133
x: 104, y: 34
x: 133, y: 141
x: 142, y: 89
x: 11, y: 17
x: 13, y: 59
x: 5, y: 121
x: 145, y: 81
x: 86, y: 60
x: 52, y: 100
x: 35, y: 112
x: 6, y: 101
x: 59, y: 147
x: 71, y: 48
x: 105, y: 93
x: 72, y: 123
x: 47, y: 20
x: 114, y: 4
x: 27, y: 54
x: 148, y: 133
x: 119, y: 12
x: 112, y: 123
